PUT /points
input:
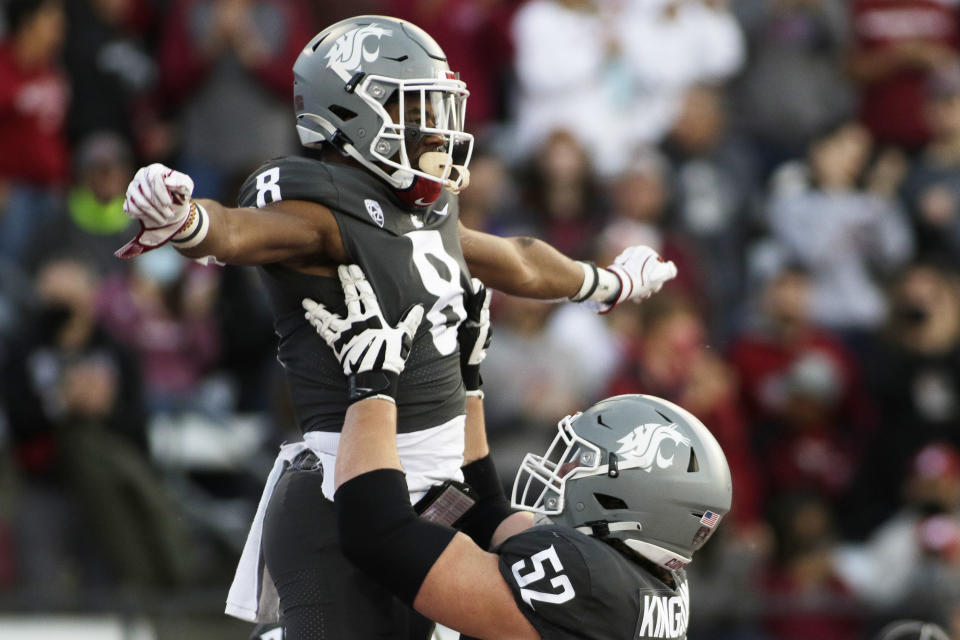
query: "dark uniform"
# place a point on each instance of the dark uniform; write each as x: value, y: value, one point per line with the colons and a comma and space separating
x: 570, y: 585
x: 409, y: 257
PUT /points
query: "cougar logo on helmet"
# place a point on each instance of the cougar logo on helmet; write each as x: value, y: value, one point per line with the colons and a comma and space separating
x: 348, y: 51
x: 644, y: 443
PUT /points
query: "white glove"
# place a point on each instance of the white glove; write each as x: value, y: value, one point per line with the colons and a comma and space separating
x: 159, y: 199
x: 641, y: 272
x: 371, y: 352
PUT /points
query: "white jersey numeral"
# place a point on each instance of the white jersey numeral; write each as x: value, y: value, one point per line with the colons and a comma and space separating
x: 440, y: 274
x: 538, y: 572
x: 268, y: 182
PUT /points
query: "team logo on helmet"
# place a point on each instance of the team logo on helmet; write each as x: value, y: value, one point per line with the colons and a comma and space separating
x: 346, y: 54
x: 643, y: 444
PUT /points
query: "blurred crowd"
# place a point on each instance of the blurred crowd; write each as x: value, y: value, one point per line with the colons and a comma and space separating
x: 799, y: 160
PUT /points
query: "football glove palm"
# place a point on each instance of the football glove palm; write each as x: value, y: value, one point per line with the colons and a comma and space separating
x: 371, y: 352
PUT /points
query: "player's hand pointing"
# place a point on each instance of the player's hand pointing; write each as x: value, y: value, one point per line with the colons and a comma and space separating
x: 642, y: 273
x: 159, y: 199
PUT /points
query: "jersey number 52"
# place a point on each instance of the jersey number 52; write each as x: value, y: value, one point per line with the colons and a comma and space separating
x: 538, y: 572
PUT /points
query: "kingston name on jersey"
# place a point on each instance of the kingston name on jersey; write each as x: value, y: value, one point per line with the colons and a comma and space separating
x: 570, y: 585
x: 408, y: 257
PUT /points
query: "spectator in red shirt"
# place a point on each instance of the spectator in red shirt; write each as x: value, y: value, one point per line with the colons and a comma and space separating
x: 811, y: 448
x: 783, y: 335
x: 34, y: 96
x: 806, y: 403
x: 896, y: 44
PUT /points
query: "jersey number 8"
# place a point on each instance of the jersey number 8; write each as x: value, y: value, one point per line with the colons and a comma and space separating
x: 440, y: 274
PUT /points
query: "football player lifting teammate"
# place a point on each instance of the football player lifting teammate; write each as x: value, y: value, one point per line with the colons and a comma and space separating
x: 628, y: 491
x: 383, y: 115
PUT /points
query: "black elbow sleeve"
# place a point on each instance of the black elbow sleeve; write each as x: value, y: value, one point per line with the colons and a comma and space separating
x: 491, y: 509
x: 382, y: 535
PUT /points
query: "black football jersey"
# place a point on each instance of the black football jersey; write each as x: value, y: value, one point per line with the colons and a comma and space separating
x: 408, y: 257
x: 570, y: 585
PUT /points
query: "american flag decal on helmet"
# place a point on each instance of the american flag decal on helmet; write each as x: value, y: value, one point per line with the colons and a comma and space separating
x: 710, y: 519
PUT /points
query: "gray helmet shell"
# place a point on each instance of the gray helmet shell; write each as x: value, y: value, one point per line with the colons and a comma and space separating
x: 636, y: 468
x: 348, y: 72
x: 912, y: 630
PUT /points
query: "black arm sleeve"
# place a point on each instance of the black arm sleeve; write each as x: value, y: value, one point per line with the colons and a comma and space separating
x: 492, y: 508
x: 382, y: 534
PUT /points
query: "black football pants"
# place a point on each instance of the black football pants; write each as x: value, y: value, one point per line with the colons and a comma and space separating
x: 322, y: 595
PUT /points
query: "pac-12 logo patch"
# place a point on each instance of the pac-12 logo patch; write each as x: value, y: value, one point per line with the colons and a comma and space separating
x: 375, y: 211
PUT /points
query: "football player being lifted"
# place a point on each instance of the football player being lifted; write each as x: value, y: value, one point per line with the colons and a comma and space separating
x: 627, y: 492
x: 383, y: 114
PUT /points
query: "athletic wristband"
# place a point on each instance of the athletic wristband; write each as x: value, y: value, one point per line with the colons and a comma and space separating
x: 368, y: 384
x: 381, y: 534
x: 590, y: 281
x: 599, y: 285
x: 609, y: 287
x: 491, y: 509
x: 194, y: 229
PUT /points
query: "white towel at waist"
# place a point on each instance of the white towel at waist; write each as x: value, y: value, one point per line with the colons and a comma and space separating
x: 428, y: 457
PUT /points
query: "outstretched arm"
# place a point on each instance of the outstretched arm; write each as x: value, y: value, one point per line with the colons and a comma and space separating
x: 521, y: 266
x: 279, y: 232
x: 531, y: 268
x: 159, y: 198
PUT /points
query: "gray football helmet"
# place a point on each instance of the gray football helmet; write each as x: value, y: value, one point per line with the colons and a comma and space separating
x: 635, y: 468
x: 346, y: 75
x: 912, y: 630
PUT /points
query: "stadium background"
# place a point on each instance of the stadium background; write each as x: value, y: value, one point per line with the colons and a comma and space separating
x: 798, y: 159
